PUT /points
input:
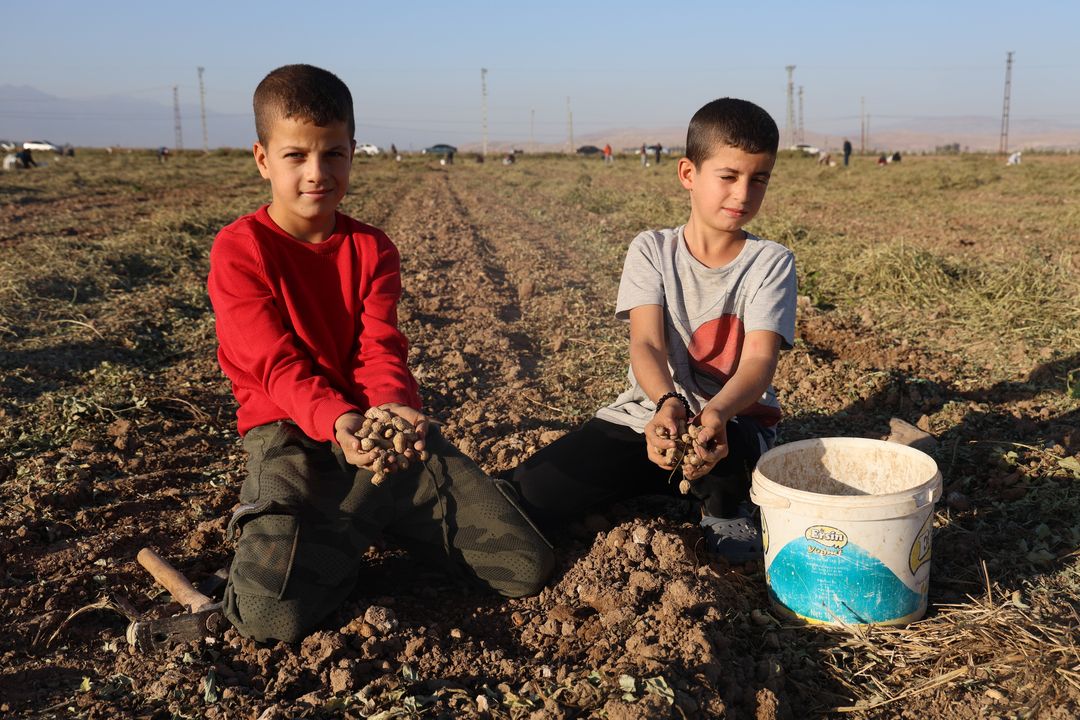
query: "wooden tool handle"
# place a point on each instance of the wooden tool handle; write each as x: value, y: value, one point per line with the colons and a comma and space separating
x: 172, y: 580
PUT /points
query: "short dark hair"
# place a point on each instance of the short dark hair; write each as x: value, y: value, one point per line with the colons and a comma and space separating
x: 729, y: 121
x: 304, y: 92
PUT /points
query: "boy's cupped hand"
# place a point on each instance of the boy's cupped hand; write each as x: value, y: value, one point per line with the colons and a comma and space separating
x: 711, y: 444
x: 668, y: 423
x: 345, y: 429
x: 348, y: 424
x: 414, y: 417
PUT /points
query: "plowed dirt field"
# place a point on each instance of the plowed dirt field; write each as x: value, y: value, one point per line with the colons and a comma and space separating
x: 943, y: 292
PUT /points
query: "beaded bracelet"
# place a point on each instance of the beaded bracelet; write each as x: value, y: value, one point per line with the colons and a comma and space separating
x: 678, y: 396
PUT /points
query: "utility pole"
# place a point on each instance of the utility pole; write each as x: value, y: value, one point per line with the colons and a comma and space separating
x: 569, y: 127
x: 862, y: 125
x: 790, y: 106
x: 532, y: 127
x: 1003, y: 145
x: 202, y: 112
x: 483, y: 95
x: 176, y: 117
x: 802, y: 129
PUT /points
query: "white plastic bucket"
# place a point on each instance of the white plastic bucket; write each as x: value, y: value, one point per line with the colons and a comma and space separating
x: 846, y: 524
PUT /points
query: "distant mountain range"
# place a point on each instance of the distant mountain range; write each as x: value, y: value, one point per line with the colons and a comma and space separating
x: 29, y: 114
x: 974, y: 133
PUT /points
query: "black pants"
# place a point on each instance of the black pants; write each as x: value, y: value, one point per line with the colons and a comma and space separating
x: 601, y: 463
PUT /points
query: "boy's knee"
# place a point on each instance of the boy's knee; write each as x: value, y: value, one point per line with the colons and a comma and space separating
x: 267, y: 619
x: 521, y: 560
x: 544, y: 566
x: 290, y: 616
x: 527, y: 572
x: 282, y: 581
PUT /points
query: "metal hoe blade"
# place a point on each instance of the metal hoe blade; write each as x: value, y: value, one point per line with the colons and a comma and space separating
x: 147, y: 635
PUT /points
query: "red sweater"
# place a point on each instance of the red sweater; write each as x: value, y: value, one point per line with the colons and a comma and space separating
x: 307, y: 331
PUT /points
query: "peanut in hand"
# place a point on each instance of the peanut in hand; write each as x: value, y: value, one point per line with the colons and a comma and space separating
x: 684, y: 453
x: 392, y: 440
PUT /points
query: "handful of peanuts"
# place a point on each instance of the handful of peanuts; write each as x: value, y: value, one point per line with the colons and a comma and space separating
x: 683, y: 452
x: 392, y: 439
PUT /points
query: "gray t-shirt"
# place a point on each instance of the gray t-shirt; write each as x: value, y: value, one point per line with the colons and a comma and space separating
x: 707, y: 313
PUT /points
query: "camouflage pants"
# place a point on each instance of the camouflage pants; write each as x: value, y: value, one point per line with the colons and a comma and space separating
x: 307, y: 517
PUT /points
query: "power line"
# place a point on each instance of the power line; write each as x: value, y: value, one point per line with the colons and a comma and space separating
x: 1003, y: 144
x: 202, y: 112
x: 790, y: 124
x: 483, y: 95
x: 802, y: 133
x: 862, y: 124
x: 176, y: 117
x: 569, y: 127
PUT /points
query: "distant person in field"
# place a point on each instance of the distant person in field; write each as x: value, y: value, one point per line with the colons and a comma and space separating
x: 1015, y: 158
x: 394, y: 153
x: 644, y: 155
x: 710, y: 306
x: 882, y: 160
x: 607, y: 154
x: 847, y: 151
x: 25, y: 159
x: 163, y: 154
x: 656, y: 149
x: 895, y: 157
x: 305, y: 303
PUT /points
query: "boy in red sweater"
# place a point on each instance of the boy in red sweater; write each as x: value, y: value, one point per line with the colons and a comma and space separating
x: 305, y: 300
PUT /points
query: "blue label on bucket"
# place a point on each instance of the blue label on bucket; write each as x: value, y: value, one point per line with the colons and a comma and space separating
x: 850, y: 586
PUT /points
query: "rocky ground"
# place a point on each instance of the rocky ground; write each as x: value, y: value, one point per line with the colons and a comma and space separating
x: 116, y: 431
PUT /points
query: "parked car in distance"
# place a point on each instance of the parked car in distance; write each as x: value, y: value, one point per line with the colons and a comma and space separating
x: 588, y: 150
x: 804, y: 147
x: 43, y: 145
x: 367, y: 149
x: 440, y: 149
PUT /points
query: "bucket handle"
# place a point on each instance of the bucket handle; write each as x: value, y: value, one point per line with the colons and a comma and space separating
x: 931, y: 495
x: 768, y: 500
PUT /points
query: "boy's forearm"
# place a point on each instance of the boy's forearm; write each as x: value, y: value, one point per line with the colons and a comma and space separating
x: 380, y: 367
x: 650, y: 367
x: 648, y: 351
x: 744, y: 388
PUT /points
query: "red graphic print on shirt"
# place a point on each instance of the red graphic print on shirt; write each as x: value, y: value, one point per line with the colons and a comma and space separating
x: 714, y: 348
x: 714, y: 351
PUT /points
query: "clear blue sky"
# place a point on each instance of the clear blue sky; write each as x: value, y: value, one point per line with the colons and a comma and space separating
x: 414, y: 67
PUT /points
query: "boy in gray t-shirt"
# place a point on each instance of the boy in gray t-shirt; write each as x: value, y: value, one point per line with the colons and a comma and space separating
x: 710, y: 307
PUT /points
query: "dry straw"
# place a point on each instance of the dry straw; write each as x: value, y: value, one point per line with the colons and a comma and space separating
x: 989, y: 646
